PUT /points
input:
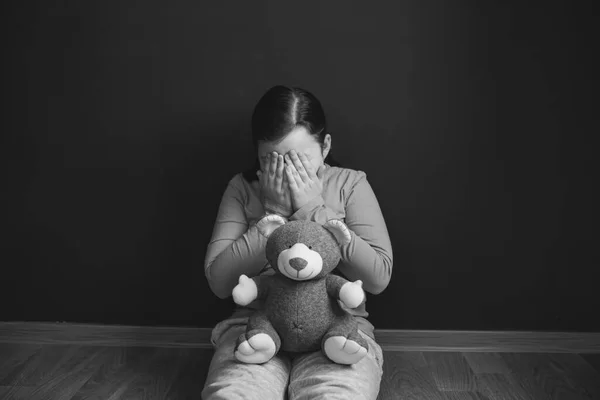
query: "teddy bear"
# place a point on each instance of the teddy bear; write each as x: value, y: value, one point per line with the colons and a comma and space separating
x: 302, y: 310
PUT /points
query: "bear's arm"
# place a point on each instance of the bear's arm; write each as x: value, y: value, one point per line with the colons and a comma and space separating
x: 263, y: 283
x: 334, y: 284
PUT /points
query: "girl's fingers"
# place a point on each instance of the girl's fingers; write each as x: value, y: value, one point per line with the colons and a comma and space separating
x: 286, y: 176
x: 279, y: 172
x: 285, y: 185
x: 310, y: 171
x: 273, y: 164
x: 267, y: 164
x: 261, y: 179
x: 298, y: 164
x: 291, y: 174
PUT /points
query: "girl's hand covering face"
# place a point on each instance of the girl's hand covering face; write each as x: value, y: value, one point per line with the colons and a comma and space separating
x: 304, y: 182
x: 274, y: 191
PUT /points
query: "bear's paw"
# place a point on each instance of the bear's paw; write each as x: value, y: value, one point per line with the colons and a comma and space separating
x: 259, y: 349
x: 342, y: 350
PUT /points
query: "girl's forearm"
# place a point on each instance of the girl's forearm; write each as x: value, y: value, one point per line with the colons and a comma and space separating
x: 366, y: 262
x: 228, y: 259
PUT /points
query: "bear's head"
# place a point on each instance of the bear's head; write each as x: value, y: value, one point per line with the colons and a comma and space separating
x: 303, y: 250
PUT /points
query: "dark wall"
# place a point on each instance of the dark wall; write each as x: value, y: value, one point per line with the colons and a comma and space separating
x: 123, y: 124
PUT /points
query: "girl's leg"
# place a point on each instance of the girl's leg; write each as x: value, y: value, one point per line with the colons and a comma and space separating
x: 228, y: 379
x: 314, y: 376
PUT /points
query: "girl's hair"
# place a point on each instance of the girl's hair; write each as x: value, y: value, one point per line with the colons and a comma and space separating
x: 278, y: 112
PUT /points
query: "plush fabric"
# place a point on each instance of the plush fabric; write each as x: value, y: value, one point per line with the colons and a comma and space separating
x: 302, y: 309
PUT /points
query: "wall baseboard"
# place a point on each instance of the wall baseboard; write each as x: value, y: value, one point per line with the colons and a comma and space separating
x: 41, y: 333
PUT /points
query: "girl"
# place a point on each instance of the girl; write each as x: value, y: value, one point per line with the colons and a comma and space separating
x: 296, y: 177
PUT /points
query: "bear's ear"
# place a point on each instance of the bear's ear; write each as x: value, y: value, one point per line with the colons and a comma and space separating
x: 339, y: 230
x: 268, y: 224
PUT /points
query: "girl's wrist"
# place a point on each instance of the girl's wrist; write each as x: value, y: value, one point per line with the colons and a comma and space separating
x: 270, y: 209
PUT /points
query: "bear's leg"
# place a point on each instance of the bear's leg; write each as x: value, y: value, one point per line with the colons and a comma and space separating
x: 342, y: 343
x: 259, y: 343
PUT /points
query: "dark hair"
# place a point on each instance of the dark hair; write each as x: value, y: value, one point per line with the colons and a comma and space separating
x: 278, y: 112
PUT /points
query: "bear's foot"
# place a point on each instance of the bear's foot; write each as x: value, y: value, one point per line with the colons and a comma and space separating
x: 342, y: 350
x: 259, y: 349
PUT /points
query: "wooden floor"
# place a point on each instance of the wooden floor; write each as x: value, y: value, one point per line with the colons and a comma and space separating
x: 70, y: 372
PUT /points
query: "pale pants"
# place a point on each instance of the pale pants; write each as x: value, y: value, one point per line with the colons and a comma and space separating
x: 302, y: 377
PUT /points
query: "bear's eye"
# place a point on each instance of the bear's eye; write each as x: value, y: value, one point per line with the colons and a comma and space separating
x: 310, y: 247
x: 290, y: 246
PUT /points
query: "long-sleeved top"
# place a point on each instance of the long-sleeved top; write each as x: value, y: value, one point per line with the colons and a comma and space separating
x: 237, y: 247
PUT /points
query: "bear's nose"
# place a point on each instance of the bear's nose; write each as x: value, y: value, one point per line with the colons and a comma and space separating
x: 298, y: 263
